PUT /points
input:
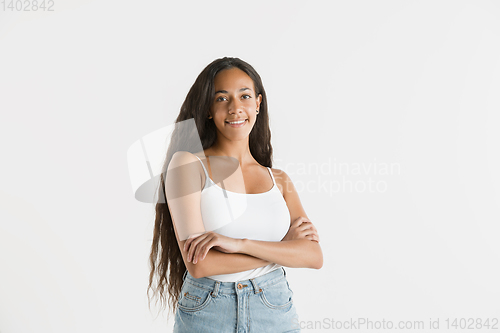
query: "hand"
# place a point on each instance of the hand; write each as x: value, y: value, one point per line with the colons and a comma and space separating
x: 198, y: 247
x: 302, y: 228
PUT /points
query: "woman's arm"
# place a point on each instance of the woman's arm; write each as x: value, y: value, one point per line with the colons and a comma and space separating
x: 305, y: 254
x: 299, y: 248
x: 290, y: 252
x: 183, y: 186
x: 197, y: 248
x: 293, y: 253
x: 217, y: 262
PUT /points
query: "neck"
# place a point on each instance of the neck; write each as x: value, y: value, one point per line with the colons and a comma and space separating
x: 239, y: 150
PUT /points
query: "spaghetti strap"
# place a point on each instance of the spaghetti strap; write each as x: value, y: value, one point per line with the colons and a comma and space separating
x: 272, y: 176
x: 206, y: 173
x: 207, y: 177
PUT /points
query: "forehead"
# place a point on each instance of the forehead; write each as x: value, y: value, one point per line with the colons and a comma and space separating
x: 232, y: 78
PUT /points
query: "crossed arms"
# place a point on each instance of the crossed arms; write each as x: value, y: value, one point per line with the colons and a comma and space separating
x: 209, y: 253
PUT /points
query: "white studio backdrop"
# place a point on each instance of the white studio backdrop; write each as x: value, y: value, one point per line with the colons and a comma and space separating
x: 385, y: 114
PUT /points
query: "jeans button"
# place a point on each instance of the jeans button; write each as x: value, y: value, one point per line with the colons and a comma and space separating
x: 240, y: 286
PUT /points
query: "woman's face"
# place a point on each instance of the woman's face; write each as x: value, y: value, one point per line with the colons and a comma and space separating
x: 234, y: 100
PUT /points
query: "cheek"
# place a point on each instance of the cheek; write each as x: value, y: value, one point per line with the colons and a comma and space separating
x: 220, y: 120
x: 218, y: 114
x: 250, y: 103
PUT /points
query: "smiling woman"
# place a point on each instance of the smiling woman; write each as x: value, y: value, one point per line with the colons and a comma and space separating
x: 231, y: 222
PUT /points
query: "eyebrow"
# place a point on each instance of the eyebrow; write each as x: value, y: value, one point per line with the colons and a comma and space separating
x: 225, y: 91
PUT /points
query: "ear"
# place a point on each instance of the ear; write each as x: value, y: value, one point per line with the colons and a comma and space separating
x: 259, y: 100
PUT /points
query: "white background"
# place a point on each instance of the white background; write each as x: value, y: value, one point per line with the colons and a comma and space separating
x: 364, y: 83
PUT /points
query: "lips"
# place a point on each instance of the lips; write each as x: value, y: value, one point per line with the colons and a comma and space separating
x: 237, y: 125
x: 231, y: 121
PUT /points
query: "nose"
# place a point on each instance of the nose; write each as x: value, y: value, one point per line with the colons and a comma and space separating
x: 235, y: 105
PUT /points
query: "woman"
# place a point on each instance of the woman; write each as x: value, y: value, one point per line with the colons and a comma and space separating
x: 231, y: 223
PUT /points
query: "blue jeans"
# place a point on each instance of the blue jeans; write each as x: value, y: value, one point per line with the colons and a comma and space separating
x: 263, y: 304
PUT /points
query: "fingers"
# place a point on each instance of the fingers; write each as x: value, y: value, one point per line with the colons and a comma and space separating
x: 305, y: 225
x: 299, y: 220
x: 308, y: 226
x: 190, y: 239
x: 309, y: 233
x: 313, y: 232
x: 187, y: 244
x: 191, y: 245
x: 312, y: 237
x: 302, y: 227
x: 308, y: 229
x: 197, y: 248
x: 203, y: 248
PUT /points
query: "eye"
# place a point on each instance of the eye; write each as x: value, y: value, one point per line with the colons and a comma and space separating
x: 220, y: 98
x: 248, y: 96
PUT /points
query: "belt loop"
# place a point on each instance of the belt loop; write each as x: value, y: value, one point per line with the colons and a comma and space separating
x: 256, y: 288
x: 216, y: 289
x: 284, y: 272
x: 184, y: 276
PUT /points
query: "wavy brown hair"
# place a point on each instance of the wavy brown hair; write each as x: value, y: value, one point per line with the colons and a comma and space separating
x: 166, y: 262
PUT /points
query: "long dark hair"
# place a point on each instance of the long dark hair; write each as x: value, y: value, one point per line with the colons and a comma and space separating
x: 165, y: 258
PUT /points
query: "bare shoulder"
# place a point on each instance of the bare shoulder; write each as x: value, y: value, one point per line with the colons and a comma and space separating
x: 182, y: 155
x: 283, y: 181
x: 185, y: 165
x: 290, y: 194
x: 182, y: 158
x: 281, y: 178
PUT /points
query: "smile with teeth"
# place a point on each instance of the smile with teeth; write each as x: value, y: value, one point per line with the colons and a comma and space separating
x: 236, y: 123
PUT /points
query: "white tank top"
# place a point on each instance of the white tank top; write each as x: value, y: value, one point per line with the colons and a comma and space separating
x: 260, y: 216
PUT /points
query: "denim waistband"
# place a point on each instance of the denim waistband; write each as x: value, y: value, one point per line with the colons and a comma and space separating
x: 255, y: 284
